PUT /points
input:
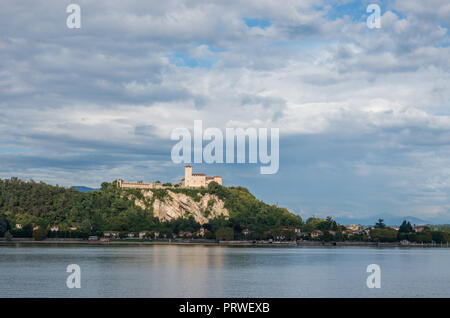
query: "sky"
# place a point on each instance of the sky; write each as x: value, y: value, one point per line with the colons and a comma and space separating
x: 364, y: 114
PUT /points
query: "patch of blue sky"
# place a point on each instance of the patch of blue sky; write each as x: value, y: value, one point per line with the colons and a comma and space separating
x: 357, y: 9
x: 257, y: 23
x: 184, y: 60
x: 444, y: 41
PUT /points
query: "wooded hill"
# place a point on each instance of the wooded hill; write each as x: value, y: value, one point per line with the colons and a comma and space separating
x: 31, y: 203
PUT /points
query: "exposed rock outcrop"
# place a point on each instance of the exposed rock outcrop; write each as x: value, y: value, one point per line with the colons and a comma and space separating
x: 178, y: 205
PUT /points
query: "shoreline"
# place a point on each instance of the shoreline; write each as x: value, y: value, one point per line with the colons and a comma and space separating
x: 193, y: 242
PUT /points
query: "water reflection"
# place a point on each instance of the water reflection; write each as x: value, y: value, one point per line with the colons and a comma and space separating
x: 200, y: 271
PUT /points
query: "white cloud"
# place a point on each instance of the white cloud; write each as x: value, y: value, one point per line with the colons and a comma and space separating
x: 110, y: 87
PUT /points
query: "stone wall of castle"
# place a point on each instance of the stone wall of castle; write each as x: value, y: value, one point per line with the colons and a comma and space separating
x: 139, y: 185
x: 191, y: 180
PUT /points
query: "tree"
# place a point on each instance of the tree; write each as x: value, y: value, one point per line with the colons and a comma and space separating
x: 27, y: 230
x: 213, y: 187
x: 439, y: 237
x: 423, y: 237
x: 111, y: 208
x: 86, y: 226
x: 290, y: 235
x: 8, y: 236
x: 328, y: 225
x: 40, y: 234
x: 339, y: 236
x: 405, y: 227
x: 4, y: 225
x: 380, y: 224
x: 383, y: 235
x: 225, y: 234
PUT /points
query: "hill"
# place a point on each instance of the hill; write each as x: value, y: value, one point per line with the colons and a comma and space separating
x: 111, y: 208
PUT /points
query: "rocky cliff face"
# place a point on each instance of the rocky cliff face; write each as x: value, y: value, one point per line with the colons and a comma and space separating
x: 177, y: 205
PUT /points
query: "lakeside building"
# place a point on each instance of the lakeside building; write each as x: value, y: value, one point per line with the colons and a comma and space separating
x: 419, y: 228
x: 291, y: 228
x: 113, y: 234
x: 147, y: 233
x: 190, y: 180
x: 201, y: 232
x: 354, y: 227
x: 316, y: 233
x: 185, y: 234
x: 144, y: 234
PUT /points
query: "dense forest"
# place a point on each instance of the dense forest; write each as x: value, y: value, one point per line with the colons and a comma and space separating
x: 38, y: 204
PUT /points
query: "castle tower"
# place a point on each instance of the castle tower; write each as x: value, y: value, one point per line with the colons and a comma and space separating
x: 187, y: 175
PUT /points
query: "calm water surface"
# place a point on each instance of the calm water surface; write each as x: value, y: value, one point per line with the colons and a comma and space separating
x: 200, y: 271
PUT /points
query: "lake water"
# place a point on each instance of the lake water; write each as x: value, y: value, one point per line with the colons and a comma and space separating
x: 201, y: 271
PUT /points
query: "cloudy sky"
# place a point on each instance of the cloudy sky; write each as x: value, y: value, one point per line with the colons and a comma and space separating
x: 364, y: 114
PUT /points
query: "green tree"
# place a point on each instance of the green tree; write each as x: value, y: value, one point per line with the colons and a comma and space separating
x: 86, y: 226
x: 439, y: 237
x: 380, y: 224
x: 339, y: 236
x: 225, y: 234
x: 328, y: 225
x: 383, y: 235
x: 290, y: 235
x: 213, y: 187
x: 40, y: 234
x: 326, y: 236
x: 113, y: 208
x: 4, y: 225
x: 405, y: 227
x: 422, y: 237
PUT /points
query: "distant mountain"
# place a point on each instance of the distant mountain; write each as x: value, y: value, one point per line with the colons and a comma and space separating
x: 390, y: 220
x: 84, y: 189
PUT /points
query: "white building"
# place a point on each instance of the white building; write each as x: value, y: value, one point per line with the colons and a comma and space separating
x: 197, y: 180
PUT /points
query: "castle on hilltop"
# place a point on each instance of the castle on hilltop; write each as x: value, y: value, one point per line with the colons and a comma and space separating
x: 197, y: 180
x: 190, y: 180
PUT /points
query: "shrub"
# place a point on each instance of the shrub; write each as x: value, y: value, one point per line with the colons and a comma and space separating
x: 206, y: 213
x: 39, y: 234
x: 161, y: 194
x: 424, y: 237
x: 383, y: 235
x: 193, y: 193
x: 439, y: 237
